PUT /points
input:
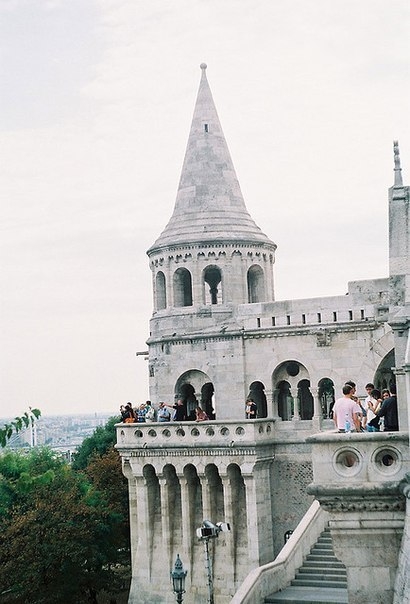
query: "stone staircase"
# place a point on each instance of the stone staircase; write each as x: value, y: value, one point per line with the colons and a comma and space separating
x: 320, y: 580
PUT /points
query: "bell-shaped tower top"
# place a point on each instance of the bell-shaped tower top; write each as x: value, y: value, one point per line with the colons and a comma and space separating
x: 209, y: 206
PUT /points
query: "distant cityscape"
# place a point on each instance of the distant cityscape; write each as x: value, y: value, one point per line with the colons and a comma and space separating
x: 64, y: 433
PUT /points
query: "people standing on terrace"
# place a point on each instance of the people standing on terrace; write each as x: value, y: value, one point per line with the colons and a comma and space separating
x: 388, y: 410
x: 346, y: 411
x: 374, y: 402
x: 250, y: 409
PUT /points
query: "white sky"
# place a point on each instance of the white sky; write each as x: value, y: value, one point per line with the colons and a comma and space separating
x: 96, y: 103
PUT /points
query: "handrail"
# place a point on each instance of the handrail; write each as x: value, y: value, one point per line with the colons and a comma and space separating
x: 276, y: 575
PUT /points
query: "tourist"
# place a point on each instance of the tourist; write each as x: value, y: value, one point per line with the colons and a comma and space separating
x: 163, y: 414
x: 374, y: 402
x: 149, y: 412
x: 201, y: 416
x: 346, y: 411
x: 127, y: 414
x: 388, y: 410
x: 140, y: 413
x: 179, y: 414
x: 250, y: 409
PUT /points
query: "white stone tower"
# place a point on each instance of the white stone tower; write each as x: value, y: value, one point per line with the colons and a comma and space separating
x: 210, y: 258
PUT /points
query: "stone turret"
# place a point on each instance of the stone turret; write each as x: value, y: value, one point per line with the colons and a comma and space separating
x: 399, y: 282
x: 211, y: 251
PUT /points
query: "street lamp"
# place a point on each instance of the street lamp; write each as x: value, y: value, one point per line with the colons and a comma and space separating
x: 178, y: 579
x: 208, y: 531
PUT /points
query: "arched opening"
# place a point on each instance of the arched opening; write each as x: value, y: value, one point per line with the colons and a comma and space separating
x: 285, y: 401
x: 256, y: 284
x: 207, y: 392
x: 326, y: 396
x: 182, y: 287
x: 194, y: 387
x: 160, y: 291
x: 257, y: 393
x: 212, y: 278
x: 305, y: 399
x: 384, y: 376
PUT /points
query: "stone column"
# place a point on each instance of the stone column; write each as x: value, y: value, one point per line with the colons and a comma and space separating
x: 275, y: 405
x: 317, y: 408
x: 186, y: 517
x: 356, y: 480
x: 165, y: 519
x: 270, y: 404
x: 230, y: 560
x: 252, y: 521
x: 294, y: 395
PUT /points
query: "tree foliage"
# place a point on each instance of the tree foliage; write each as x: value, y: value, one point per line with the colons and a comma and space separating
x: 103, y: 438
x: 61, y: 531
x: 18, y: 424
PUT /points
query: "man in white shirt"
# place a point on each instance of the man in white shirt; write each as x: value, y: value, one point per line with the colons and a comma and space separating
x: 346, y: 409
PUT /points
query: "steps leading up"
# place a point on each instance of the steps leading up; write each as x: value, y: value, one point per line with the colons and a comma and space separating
x: 321, y: 579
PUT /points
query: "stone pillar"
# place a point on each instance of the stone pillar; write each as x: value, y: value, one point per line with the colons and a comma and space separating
x: 275, y: 405
x: 296, y: 411
x: 317, y: 408
x: 230, y: 559
x: 270, y: 404
x: 259, y: 513
x: 165, y: 519
x: 252, y: 523
x: 186, y: 517
x: 356, y: 479
x: 402, y: 586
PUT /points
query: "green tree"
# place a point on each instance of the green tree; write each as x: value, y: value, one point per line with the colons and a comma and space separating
x: 59, y: 536
x: 102, y: 439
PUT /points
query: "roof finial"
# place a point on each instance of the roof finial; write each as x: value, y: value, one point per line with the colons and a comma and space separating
x: 203, y: 66
x: 398, y: 179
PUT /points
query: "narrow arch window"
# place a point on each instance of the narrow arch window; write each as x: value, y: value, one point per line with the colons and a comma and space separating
x: 206, y: 127
x: 287, y: 319
x: 304, y: 319
x: 319, y: 317
x: 334, y: 316
x: 212, y: 290
x: 182, y: 287
x: 256, y: 284
x: 350, y: 315
x: 160, y: 291
x: 362, y: 314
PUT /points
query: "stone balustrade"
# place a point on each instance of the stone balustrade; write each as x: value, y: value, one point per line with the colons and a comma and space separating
x: 169, y: 435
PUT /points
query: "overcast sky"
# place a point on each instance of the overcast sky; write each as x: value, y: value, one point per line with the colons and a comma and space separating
x: 95, y: 109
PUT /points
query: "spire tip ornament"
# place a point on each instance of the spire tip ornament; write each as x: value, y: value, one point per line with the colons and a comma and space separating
x: 398, y: 179
x: 203, y: 66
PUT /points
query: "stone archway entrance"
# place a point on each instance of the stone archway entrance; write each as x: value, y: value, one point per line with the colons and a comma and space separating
x: 384, y: 376
x: 195, y: 388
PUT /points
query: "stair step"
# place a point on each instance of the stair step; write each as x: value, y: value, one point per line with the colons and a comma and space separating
x: 322, y: 570
x: 333, y: 564
x: 319, y: 583
x: 308, y: 595
x: 322, y: 558
x: 322, y: 577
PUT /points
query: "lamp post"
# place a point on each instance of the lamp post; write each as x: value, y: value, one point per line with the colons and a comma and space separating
x: 208, y: 531
x: 178, y: 579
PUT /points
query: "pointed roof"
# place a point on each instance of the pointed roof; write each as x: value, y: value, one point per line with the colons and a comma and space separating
x: 398, y: 178
x: 209, y: 204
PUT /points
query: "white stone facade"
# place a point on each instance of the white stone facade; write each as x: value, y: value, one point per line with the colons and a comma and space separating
x: 217, y: 335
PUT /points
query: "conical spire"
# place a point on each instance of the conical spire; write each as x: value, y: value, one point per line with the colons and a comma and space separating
x: 398, y: 178
x: 209, y: 204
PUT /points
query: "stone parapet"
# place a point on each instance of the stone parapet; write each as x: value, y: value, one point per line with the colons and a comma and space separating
x: 210, y: 434
x: 356, y: 479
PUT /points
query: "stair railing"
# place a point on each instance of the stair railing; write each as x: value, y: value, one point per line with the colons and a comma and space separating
x: 278, y: 574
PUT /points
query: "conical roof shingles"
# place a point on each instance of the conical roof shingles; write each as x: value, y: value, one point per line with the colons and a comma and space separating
x: 209, y: 204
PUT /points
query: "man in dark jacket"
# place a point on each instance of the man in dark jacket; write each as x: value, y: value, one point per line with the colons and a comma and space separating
x: 388, y: 410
